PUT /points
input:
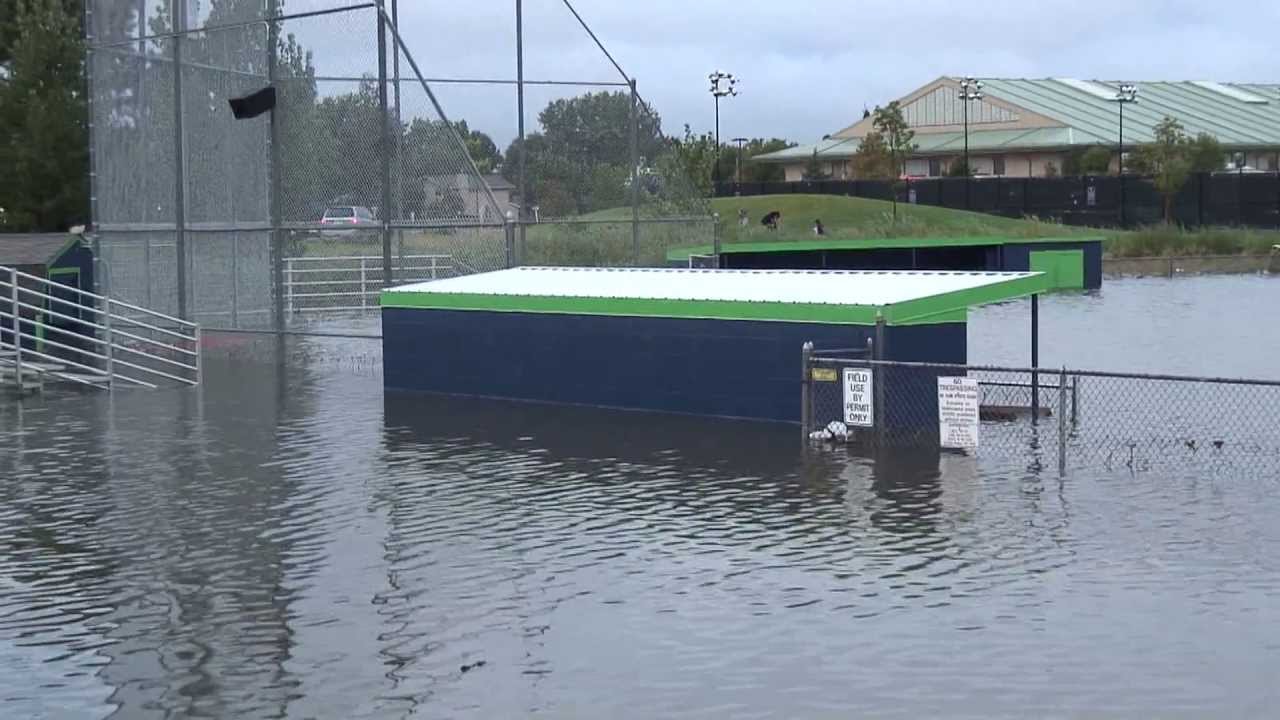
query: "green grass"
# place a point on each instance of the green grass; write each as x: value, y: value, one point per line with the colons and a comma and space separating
x: 848, y: 218
x: 856, y: 218
x: 1172, y: 241
x: 610, y: 243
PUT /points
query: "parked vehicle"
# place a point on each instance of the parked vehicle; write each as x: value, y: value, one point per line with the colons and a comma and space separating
x: 349, y: 222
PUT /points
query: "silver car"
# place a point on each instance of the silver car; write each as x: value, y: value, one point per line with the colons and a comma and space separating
x: 348, y: 221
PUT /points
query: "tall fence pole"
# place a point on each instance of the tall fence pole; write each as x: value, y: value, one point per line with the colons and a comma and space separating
x: 277, y: 249
x: 523, y: 188
x: 806, y: 391
x: 384, y: 118
x: 1062, y: 422
x: 179, y: 15
x: 93, y: 163
x: 635, y: 175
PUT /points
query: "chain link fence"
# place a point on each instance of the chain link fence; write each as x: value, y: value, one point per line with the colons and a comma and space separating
x: 355, y: 180
x: 1068, y: 419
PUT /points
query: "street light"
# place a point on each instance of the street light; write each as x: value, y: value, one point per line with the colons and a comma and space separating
x: 740, y: 140
x: 970, y: 90
x: 723, y: 84
x: 1128, y: 94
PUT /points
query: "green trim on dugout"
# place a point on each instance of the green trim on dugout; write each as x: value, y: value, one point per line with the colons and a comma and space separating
x: 931, y: 310
x: 682, y: 254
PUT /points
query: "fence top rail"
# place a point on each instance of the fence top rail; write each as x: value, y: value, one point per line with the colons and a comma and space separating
x: 1045, y: 371
x: 623, y: 221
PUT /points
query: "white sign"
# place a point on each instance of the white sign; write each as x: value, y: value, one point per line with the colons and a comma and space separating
x: 857, y: 398
x: 958, y: 412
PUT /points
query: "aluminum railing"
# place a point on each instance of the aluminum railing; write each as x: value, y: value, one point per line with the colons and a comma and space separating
x: 352, y: 283
x: 56, y: 331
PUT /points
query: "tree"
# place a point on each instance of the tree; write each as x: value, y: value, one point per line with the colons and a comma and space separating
x: 1168, y: 160
x: 1206, y: 153
x: 872, y: 160
x: 890, y: 123
x: 813, y: 169
x: 1092, y: 161
x: 483, y: 151
x: 753, y: 171
x: 43, y: 119
x: 577, y: 135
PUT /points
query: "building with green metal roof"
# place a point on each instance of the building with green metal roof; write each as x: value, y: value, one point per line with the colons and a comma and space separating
x: 1026, y: 128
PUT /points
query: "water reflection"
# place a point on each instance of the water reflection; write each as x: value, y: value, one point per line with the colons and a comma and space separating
x: 291, y: 542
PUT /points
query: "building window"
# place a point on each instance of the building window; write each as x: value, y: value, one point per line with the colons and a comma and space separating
x: 997, y: 165
x: 935, y: 167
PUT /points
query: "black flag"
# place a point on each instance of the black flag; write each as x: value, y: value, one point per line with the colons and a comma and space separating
x: 251, y: 106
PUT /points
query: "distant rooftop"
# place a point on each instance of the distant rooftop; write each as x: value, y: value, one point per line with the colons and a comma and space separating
x: 1060, y: 113
x: 33, y: 249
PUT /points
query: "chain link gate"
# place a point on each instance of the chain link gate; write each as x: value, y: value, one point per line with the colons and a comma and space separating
x: 1053, y: 418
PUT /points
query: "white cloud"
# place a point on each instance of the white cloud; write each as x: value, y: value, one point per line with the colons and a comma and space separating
x: 807, y: 67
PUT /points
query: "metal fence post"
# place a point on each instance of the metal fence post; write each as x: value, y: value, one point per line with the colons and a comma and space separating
x: 509, y: 229
x: 635, y: 179
x: 878, y: 415
x: 288, y: 286
x: 385, y: 146
x: 108, y: 338
x: 1035, y: 359
x: 806, y: 391
x: 277, y: 238
x: 17, y: 328
x: 180, y: 164
x: 1075, y: 399
x: 1062, y: 422
x: 364, y: 288
x: 196, y: 334
x: 715, y: 241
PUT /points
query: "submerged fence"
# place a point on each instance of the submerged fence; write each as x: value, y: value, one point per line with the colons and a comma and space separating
x: 1225, y: 198
x: 1043, y: 418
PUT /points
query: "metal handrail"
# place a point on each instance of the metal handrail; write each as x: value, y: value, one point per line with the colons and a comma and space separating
x: 85, y: 293
x: 98, y: 326
x: 327, y: 258
x: 156, y: 343
x: 63, y: 361
x: 65, y: 376
x: 93, y: 332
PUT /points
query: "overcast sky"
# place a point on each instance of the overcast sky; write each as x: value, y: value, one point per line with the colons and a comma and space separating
x: 808, y: 67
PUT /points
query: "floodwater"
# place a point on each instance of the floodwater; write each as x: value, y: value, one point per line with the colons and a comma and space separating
x: 292, y: 542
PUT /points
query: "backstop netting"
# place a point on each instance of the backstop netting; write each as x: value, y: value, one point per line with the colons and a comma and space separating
x: 353, y: 181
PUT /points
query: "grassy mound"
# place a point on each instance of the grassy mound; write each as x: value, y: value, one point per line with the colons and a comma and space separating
x: 853, y: 218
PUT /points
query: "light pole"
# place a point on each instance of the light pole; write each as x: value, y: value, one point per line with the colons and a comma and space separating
x: 739, y: 140
x: 723, y: 84
x: 970, y: 90
x: 1128, y: 94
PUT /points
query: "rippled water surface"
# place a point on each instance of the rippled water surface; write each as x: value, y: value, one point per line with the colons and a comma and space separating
x: 291, y: 542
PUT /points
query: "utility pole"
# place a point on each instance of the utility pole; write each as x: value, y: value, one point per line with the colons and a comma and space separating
x: 970, y: 90
x: 1128, y: 94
